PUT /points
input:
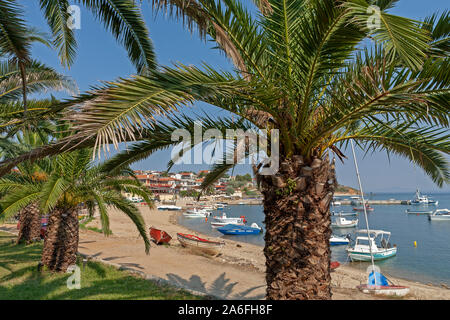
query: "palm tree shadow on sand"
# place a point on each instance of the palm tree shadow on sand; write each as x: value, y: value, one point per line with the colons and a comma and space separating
x: 221, y: 287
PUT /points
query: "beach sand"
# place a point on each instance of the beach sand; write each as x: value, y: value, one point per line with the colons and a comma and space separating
x: 236, y: 273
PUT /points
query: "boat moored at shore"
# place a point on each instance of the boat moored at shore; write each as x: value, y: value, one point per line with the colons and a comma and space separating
x: 378, y: 245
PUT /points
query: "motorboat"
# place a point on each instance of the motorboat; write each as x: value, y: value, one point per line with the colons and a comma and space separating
x: 196, y: 213
x: 224, y: 218
x: 215, y: 224
x: 234, y: 229
x: 343, y: 214
x: 377, y: 244
x: 361, y: 209
x: 412, y: 211
x: 338, y: 240
x: 440, y: 215
x: 423, y: 200
x: 344, y: 223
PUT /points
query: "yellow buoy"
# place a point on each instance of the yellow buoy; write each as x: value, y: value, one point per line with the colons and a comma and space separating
x: 415, y: 244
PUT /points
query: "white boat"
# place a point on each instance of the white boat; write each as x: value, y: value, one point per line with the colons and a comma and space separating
x: 378, y: 242
x: 196, y: 213
x: 215, y: 224
x: 225, y: 219
x: 337, y: 240
x: 168, y: 207
x: 344, y: 223
x: 440, y: 215
x: 381, y: 286
x: 423, y: 199
x: 419, y: 211
x: 336, y: 203
x: 343, y: 214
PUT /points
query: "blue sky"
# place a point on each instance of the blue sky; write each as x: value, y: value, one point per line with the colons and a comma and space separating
x: 100, y: 58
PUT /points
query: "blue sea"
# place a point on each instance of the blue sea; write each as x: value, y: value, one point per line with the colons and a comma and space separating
x: 428, y: 262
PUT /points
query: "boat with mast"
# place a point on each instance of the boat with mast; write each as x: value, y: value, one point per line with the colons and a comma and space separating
x: 377, y: 283
x: 422, y: 199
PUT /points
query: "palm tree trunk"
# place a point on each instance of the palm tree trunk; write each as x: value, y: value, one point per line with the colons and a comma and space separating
x: 61, y: 241
x: 298, y: 229
x: 29, y: 224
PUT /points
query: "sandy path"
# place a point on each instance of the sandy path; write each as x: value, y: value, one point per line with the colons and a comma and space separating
x: 237, y: 273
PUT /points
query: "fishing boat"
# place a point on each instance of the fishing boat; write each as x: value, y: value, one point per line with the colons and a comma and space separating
x: 196, y: 213
x: 204, y: 245
x: 378, y: 245
x: 215, y: 224
x: 361, y: 209
x: 381, y: 285
x: 344, y: 223
x: 423, y: 200
x: 344, y: 214
x: 337, y: 240
x: 234, y: 229
x: 159, y: 236
x: 168, y: 208
x: 440, y: 215
x: 229, y: 220
x: 412, y: 211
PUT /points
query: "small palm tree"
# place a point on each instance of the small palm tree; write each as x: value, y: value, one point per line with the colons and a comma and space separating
x: 301, y: 67
x: 73, y: 183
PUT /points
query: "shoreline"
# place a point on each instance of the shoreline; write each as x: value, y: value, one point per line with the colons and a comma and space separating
x: 237, y: 272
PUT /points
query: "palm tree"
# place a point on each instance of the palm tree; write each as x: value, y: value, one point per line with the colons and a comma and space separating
x: 71, y: 184
x: 305, y: 68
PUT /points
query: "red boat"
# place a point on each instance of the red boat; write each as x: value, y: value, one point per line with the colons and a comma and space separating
x: 334, y: 265
x: 159, y: 236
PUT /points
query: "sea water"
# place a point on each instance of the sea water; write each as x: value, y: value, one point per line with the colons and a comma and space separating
x: 429, y: 261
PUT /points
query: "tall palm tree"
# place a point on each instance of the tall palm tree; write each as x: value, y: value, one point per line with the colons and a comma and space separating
x: 305, y: 68
x: 72, y: 183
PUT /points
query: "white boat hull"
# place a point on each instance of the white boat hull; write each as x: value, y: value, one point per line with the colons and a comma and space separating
x: 399, y: 291
x: 365, y: 255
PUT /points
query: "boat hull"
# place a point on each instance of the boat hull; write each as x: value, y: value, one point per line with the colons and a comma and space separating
x: 437, y: 218
x: 197, y: 243
x: 384, y: 290
x: 365, y: 256
x: 238, y: 230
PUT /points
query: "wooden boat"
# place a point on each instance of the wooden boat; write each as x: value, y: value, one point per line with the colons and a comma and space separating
x: 440, y: 215
x: 344, y: 223
x: 382, y: 286
x: 419, y: 211
x: 234, y: 229
x: 159, y: 236
x: 361, y: 251
x: 197, y: 243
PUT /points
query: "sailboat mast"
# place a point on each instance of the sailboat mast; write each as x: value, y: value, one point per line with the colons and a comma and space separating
x: 365, y: 211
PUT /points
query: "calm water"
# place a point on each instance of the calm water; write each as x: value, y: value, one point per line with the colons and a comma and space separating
x: 428, y: 262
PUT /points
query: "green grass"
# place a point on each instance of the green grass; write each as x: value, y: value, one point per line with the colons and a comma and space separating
x: 83, y: 225
x: 19, y: 279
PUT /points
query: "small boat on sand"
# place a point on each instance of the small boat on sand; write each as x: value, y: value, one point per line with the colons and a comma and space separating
x: 381, y: 286
x: 334, y: 265
x: 440, y: 215
x: 344, y: 223
x: 159, y: 236
x: 204, y: 245
x: 234, y: 229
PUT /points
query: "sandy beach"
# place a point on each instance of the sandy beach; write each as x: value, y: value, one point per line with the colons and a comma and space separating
x: 236, y: 273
